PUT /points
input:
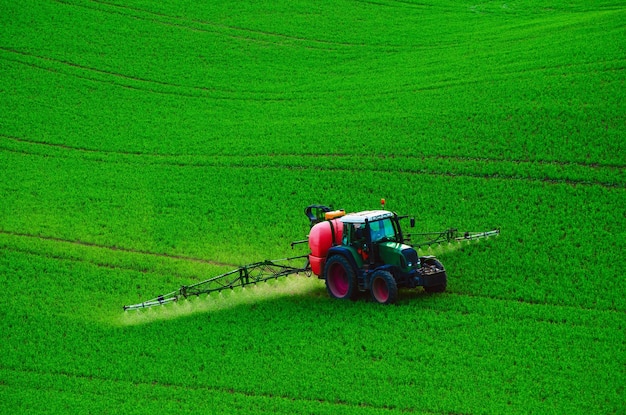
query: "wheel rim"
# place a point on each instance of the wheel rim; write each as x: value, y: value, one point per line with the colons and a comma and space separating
x: 338, y: 281
x: 380, y: 290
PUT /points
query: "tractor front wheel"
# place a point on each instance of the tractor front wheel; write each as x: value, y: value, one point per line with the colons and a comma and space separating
x: 340, y: 278
x: 384, y: 288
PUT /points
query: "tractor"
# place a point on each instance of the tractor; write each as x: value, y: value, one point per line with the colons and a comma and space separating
x: 367, y: 252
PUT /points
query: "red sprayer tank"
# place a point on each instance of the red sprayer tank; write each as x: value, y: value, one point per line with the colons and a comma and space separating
x: 321, y: 240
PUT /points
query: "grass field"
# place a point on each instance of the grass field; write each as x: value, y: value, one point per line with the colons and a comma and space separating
x: 146, y: 145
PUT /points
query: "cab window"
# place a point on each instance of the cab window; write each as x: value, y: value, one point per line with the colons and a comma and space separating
x: 382, y: 229
x: 353, y: 233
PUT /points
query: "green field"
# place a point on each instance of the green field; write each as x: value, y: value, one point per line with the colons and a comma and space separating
x: 146, y: 145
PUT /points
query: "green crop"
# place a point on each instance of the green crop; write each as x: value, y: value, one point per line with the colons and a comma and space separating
x: 149, y: 145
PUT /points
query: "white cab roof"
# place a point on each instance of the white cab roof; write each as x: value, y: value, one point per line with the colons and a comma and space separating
x: 370, y: 215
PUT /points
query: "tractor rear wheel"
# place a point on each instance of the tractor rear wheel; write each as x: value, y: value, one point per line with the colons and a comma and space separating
x: 384, y: 288
x: 340, y: 278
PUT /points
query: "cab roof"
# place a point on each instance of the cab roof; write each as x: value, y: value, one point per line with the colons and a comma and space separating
x: 370, y: 215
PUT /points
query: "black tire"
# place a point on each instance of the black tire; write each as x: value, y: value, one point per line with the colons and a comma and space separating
x: 435, y: 288
x: 340, y: 278
x: 384, y: 289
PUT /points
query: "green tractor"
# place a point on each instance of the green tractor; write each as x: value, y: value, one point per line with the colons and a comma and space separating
x: 367, y: 251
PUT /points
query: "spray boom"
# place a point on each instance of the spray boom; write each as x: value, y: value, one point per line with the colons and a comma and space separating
x: 449, y: 235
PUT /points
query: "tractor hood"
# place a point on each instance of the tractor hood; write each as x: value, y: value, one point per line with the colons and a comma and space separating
x: 400, y: 255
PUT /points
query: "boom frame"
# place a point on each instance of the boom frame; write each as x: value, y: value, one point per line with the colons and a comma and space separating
x: 239, y: 277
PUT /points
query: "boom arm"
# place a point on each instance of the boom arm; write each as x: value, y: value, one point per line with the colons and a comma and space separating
x: 449, y: 235
x: 242, y: 276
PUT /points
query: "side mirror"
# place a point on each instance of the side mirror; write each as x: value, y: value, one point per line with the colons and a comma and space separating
x: 412, y: 222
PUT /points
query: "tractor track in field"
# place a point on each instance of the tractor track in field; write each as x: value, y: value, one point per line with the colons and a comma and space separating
x: 398, y: 4
x: 531, y: 302
x: 143, y: 270
x: 141, y: 84
x: 117, y: 248
x: 495, y: 160
x: 219, y: 389
x: 236, y: 32
x: 333, y: 162
x: 484, y: 160
x: 153, y: 86
x: 222, y: 94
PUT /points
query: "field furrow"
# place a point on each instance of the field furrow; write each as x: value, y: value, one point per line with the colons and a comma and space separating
x: 197, y: 25
x: 112, y: 248
x: 89, y: 392
x: 485, y: 160
x: 572, y: 173
x: 126, y: 81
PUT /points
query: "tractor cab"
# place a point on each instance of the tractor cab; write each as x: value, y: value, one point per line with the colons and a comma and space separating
x: 369, y: 226
x: 377, y: 237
